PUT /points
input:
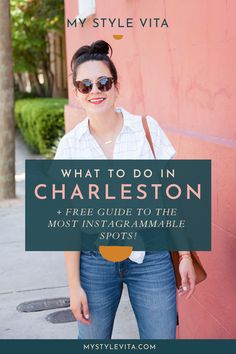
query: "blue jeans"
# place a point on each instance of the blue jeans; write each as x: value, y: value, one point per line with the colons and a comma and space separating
x: 152, y: 292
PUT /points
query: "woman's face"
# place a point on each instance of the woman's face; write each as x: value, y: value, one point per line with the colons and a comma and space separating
x: 92, y: 70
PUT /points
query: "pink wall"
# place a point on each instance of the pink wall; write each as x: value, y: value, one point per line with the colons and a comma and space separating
x: 185, y: 77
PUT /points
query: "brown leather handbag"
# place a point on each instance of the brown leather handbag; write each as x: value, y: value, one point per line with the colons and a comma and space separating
x: 199, y: 270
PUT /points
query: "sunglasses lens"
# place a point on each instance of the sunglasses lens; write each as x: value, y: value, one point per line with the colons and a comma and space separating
x: 104, y: 84
x: 84, y: 86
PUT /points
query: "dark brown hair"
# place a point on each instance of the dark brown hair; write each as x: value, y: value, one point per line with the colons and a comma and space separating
x: 96, y: 51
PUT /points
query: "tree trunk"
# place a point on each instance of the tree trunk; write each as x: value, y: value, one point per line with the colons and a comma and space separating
x: 7, y: 124
x: 35, y: 84
x: 48, y: 81
x: 19, y: 82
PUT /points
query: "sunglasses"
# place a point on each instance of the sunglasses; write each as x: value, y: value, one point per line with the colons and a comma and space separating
x: 103, y: 84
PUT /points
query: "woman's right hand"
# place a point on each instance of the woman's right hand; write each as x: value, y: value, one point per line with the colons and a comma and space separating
x: 79, y: 305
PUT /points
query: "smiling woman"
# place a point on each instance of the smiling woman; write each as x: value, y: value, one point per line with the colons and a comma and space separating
x: 110, y: 132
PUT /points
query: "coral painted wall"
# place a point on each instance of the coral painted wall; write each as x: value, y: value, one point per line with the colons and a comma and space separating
x: 185, y: 77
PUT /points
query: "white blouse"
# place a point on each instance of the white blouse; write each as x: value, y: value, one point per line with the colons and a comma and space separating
x: 131, y: 143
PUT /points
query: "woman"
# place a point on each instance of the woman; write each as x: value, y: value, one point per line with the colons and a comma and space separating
x: 95, y: 283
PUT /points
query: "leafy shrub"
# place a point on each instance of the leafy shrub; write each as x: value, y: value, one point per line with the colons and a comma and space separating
x: 41, y: 122
x: 19, y: 95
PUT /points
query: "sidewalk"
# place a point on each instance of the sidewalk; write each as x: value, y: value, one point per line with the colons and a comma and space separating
x: 29, y: 276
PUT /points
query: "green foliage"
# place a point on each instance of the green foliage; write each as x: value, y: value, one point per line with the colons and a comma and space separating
x: 53, y: 149
x: 41, y: 122
x: 19, y: 95
x: 32, y: 21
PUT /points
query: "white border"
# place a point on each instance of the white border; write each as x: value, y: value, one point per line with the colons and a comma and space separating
x: 86, y: 8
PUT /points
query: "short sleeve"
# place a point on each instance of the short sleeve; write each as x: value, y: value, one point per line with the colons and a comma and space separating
x: 63, y: 150
x: 162, y: 145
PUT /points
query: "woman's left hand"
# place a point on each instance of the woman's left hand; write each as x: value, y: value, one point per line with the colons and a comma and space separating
x: 188, y: 277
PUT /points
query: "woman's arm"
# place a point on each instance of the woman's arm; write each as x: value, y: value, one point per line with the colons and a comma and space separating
x: 187, y: 272
x: 78, y: 297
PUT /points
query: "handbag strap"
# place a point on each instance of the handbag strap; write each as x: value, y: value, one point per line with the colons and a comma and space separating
x: 148, y: 135
x: 199, y: 269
